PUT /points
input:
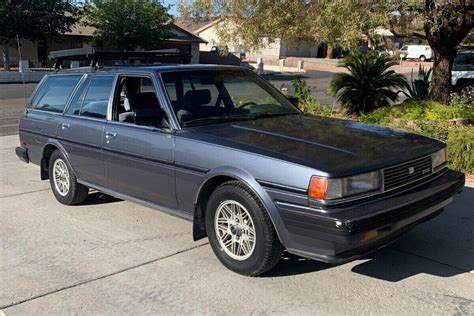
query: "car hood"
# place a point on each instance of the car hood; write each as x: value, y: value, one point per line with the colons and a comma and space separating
x: 335, y: 147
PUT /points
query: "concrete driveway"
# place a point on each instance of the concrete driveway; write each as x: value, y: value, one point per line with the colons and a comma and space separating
x: 110, y: 256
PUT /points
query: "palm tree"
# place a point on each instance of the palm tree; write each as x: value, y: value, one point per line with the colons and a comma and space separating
x: 369, y: 84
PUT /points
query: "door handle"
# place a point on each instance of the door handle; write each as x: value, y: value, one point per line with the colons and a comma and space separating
x: 65, y: 125
x: 109, y: 135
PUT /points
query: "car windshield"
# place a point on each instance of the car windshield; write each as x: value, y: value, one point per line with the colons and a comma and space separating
x: 204, y: 97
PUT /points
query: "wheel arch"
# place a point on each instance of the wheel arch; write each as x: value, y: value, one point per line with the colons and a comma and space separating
x: 220, y: 175
x: 46, y: 153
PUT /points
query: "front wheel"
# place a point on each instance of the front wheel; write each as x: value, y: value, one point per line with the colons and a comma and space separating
x: 63, y: 182
x: 423, y: 58
x: 240, y: 231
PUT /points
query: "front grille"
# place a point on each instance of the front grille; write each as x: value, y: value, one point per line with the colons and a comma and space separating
x: 407, y: 172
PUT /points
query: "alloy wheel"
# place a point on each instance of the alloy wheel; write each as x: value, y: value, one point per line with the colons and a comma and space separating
x: 61, y: 177
x: 235, y: 230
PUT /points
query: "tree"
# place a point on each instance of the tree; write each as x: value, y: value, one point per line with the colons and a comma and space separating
x: 338, y: 23
x: 127, y: 24
x: 33, y: 19
x: 445, y: 24
x: 369, y: 84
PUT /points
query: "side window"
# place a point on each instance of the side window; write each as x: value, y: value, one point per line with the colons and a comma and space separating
x: 136, y: 103
x: 465, y: 61
x: 97, y: 97
x: 54, y: 93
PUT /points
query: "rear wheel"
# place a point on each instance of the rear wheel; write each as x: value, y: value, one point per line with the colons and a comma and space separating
x: 240, y: 231
x: 63, y: 182
x: 467, y: 89
x: 423, y: 58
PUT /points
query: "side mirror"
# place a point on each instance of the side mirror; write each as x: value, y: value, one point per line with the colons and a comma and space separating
x: 293, y: 100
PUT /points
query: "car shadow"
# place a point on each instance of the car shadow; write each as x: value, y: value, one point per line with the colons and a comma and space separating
x: 96, y: 198
x: 443, y: 247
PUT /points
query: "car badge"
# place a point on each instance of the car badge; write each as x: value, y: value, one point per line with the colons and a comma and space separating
x: 411, y: 170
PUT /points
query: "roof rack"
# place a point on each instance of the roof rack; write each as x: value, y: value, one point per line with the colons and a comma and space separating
x: 97, y: 58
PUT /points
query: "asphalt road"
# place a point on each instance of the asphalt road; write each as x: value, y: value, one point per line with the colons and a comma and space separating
x: 115, y: 257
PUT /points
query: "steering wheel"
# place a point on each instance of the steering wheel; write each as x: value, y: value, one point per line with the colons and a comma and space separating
x: 247, y: 104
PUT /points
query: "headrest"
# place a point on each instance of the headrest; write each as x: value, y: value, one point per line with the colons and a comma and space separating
x: 145, y: 100
x: 197, y: 97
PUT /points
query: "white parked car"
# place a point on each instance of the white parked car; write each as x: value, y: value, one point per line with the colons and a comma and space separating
x: 462, y: 74
x: 421, y: 52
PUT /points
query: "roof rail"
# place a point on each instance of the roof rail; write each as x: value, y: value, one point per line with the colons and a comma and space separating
x: 97, y: 58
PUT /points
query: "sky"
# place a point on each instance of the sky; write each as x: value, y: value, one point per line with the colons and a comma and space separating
x: 173, y: 9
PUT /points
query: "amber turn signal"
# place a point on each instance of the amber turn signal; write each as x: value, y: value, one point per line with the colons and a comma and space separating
x: 370, y: 234
x: 317, y: 188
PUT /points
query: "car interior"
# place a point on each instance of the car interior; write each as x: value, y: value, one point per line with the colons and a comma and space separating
x: 136, y: 103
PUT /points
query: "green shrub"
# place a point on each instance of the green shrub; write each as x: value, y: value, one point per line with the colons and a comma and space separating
x: 428, y: 118
x: 461, y: 149
x: 419, y: 89
x: 307, y: 102
x: 370, y: 83
x: 302, y: 91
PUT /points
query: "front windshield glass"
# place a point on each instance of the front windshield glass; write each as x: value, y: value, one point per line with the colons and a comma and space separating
x: 213, y: 96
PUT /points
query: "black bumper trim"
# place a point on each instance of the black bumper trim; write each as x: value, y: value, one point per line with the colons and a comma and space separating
x: 22, y: 153
x: 338, y: 237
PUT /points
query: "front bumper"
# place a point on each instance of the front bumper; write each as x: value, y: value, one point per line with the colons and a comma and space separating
x: 338, y: 235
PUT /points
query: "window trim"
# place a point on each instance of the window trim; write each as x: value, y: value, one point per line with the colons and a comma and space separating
x: 74, y: 92
x: 158, y: 93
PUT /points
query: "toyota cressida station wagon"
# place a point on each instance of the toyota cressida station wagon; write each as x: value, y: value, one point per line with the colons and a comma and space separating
x: 220, y: 146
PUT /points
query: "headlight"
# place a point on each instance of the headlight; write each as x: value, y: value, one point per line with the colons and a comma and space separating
x: 327, y: 189
x: 439, y: 158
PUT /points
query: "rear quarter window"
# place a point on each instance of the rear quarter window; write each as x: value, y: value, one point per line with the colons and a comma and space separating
x: 53, y: 94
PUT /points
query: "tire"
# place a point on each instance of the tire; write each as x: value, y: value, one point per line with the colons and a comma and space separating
x: 247, y: 257
x: 467, y: 89
x: 423, y: 58
x: 63, y: 181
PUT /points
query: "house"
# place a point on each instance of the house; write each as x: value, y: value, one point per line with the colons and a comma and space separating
x: 81, y: 36
x: 280, y: 48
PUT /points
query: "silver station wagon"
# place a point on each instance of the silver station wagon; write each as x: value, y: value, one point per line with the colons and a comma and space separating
x: 221, y: 147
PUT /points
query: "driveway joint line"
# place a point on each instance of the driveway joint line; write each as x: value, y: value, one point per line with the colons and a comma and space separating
x: 429, y: 259
x: 100, y: 277
x: 23, y: 193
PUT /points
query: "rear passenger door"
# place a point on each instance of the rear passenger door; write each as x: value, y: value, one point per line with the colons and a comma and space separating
x: 82, y: 126
x: 138, y: 145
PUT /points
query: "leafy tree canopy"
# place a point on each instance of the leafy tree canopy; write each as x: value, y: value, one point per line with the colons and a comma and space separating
x: 34, y: 19
x: 336, y: 22
x: 128, y: 24
x: 443, y: 23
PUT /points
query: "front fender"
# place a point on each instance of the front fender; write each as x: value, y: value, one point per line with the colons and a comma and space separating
x: 252, y: 184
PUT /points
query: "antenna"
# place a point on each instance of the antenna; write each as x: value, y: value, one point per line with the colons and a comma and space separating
x: 22, y: 74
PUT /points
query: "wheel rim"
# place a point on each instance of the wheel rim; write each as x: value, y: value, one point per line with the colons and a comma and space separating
x: 468, y: 91
x: 235, y: 230
x: 61, y: 177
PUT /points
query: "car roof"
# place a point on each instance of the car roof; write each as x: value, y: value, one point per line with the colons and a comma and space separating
x: 146, y: 68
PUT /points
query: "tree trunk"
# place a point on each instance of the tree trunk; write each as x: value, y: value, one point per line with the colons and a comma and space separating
x: 6, y: 57
x: 441, y: 82
x: 330, y: 52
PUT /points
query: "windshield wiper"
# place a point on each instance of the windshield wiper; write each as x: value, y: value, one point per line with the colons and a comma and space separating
x: 263, y: 115
x: 216, y: 119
